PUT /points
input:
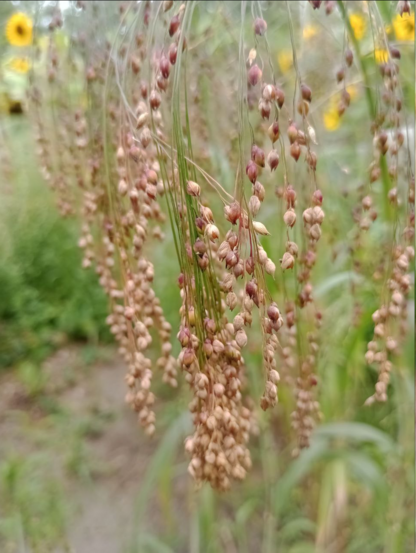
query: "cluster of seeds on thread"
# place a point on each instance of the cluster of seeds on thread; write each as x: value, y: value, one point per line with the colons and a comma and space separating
x: 113, y: 174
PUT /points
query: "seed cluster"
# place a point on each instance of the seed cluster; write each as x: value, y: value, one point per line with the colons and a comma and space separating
x: 131, y: 152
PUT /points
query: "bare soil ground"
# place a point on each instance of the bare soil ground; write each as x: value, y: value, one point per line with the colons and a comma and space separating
x: 107, y: 462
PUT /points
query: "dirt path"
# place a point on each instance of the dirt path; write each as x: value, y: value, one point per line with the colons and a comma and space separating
x: 100, y: 455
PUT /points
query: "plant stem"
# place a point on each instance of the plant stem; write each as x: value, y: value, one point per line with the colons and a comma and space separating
x: 371, y: 105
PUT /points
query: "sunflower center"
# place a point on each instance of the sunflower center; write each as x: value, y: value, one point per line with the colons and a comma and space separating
x: 20, y: 30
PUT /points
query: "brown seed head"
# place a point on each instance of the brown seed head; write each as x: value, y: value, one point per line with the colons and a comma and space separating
x: 274, y: 131
x: 251, y: 171
x: 164, y: 67
x: 257, y: 155
x: 174, y: 25
x: 349, y: 57
x: 306, y: 92
x: 287, y: 261
x: 193, y: 188
x: 254, y: 74
x: 260, y: 26
x: 273, y: 159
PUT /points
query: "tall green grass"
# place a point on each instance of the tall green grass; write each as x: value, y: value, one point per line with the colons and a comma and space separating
x: 45, y: 295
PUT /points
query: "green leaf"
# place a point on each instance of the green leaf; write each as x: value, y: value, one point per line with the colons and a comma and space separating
x: 358, y: 432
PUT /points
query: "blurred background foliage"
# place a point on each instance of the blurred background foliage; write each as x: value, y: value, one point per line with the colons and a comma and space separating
x: 45, y: 295
x: 352, y: 491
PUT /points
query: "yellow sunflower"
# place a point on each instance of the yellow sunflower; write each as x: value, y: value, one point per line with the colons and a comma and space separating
x: 285, y: 60
x: 404, y: 27
x: 19, y: 30
x: 358, y: 25
x: 309, y: 31
x: 332, y: 119
x: 352, y: 91
x: 20, y: 65
x: 381, y: 55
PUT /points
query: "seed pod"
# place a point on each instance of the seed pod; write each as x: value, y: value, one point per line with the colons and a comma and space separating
x: 269, y: 92
x: 257, y: 155
x: 346, y: 98
x: 151, y: 176
x: 289, y: 218
x: 292, y: 133
x: 318, y: 214
x: 167, y: 4
x: 142, y: 120
x: 306, y: 92
x: 392, y: 196
x: 223, y: 250
x: 238, y: 322
x: 290, y: 196
x: 154, y: 100
x: 274, y: 131
x: 367, y: 202
x: 301, y: 140
x: 219, y: 390
x: 254, y: 74
x: 241, y: 338
x: 273, y: 312
x: 274, y: 376
x: 208, y: 348
x: 188, y: 357
x: 315, y: 232
x: 280, y: 97
x: 260, y: 228
x: 263, y: 257
x: 174, y: 25
x: 122, y: 187
x: 232, y: 212
x: 295, y: 151
x: 329, y: 7
x: 403, y: 6
x: 349, y: 57
x: 287, y: 261
x: 340, y: 75
x: 250, y: 266
x: 317, y: 197
x: 200, y: 246
x: 212, y: 232
x: 173, y: 53
x: 184, y: 336
x: 145, y: 137
x: 251, y: 289
x: 206, y: 213
x: 231, y: 259
x: 193, y: 188
x: 252, y: 56
x: 303, y: 107
x: 316, y: 4
x: 254, y: 205
x: 232, y: 238
x: 292, y: 248
x: 231, y: 300
x: 162, y: 83
x: 395, y: 52
x: 143, y: 90
x: 273, y: 159
x: 251, y: 171
x: 259, y: 191
x: 164, y: 67
x: 270, y: 267
x: 375, y: 174
x: 260, y: 26
x: 265, y: 108
x: 311, y: 159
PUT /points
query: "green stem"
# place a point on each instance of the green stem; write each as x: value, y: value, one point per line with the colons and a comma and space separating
x: 371, y: 104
